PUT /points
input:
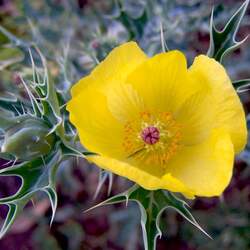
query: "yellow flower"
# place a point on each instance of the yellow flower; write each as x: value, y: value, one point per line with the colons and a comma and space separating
x: 159, y: 123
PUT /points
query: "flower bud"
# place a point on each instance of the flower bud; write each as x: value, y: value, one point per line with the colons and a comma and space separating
x: 28, y: 139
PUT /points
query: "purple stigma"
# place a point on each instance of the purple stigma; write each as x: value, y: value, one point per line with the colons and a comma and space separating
x: 150, y: 135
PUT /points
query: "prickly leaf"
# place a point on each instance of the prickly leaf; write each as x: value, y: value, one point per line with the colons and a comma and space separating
x: 152, y: 204
x: 36, y: 175
x: 242, y: 85
x: 224, y: 41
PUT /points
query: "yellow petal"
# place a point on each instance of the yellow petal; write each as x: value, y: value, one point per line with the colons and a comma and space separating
x: 124, y: 102
x: 163, y: 84
x: 114, y: 69
x: 99, y: 131
x: 205, y: 168
x: 229, y: 110
x: 141, y: 177
x: 196, y: 117
x: 201, y: 100
x: 162, y: 81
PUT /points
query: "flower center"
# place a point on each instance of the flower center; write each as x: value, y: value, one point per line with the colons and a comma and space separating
x: 150, y: 135
x: 152, y: 138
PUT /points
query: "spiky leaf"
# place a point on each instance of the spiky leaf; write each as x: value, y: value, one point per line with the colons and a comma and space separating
x: 224, y: 41
x: 103, y: 176
x: 10, y: 103
x: 152, y: 204
x: 242, y: 85
x: 36, y: 175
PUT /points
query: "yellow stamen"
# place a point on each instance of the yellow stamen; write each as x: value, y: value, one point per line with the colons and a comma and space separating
x: 162, y: 149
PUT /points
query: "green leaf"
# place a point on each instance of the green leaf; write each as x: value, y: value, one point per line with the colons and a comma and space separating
x: 46, y: 93
x: 152, y: 204
x: 9, y: 56
x: 7, y: 119
x: 12, y: 106
x: 224, y: 41
x: 242, y: 85
x: 134, y: 9
x: 14, y: 210
x: 36, y: 175
x: 36, y: 107
x: 10, y: 103
x: 69, y: 151
x: 134, y: 21
x: 3, y: 39
x: 5, y: 36
x: 7, y: 156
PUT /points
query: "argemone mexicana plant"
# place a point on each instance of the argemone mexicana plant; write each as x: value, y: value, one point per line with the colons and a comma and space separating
x: 160, y: 124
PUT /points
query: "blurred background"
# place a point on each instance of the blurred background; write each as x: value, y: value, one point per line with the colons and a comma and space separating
x: 74, y: 35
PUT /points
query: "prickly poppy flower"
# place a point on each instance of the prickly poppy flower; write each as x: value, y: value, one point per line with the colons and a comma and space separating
x: 159, y: 123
